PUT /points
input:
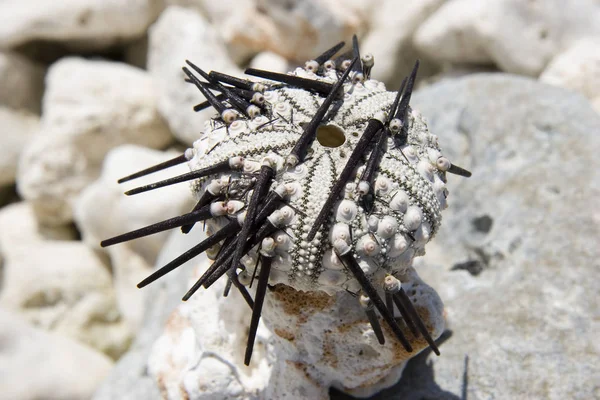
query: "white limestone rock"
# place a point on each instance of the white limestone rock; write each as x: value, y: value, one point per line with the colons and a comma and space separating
x: 20, y: 215
x: 217, y: 12
x: 390, y: 39
x: 64, y: 287
x: 518, y: 36
x: 131, y: 261
x: 270, y: 61
x: 35, y: 364
x: 19, y: 227
x: 577, y: 68
x: 90, y: 22
x: 300, y: 30
x: 22, y: 82
x: 182, y: 34
x: 18, y: 128
x: 232, y: 17
x: 90, y: 107
x: 200, y: 353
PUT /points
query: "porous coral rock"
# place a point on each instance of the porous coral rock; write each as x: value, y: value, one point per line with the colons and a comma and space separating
x: 233, y: 18
x: 199, y: 353
x: 130, y: 379
x: 332, y: 342
x: 306, y: 28
x: 90, y: 107
x: 297, y: 30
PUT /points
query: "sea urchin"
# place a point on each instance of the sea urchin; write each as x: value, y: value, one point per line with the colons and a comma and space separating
x: 320, y: 180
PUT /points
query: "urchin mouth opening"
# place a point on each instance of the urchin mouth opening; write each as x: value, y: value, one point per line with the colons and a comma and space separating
x: 330, y: 136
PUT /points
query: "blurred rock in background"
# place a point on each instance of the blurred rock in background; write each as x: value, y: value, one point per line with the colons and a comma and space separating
x: 92, y: 90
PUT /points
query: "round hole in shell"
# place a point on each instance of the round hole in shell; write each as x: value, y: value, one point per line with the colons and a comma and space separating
x: 330, y: 136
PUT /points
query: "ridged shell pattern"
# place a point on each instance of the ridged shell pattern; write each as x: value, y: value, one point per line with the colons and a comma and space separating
x: 409, y: 185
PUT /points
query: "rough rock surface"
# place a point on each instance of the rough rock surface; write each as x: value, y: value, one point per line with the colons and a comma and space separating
x: 578, y: 69
x: 22, y: 84
x: 90, y: 107
x: 58, y: 285
x: 18, y: 128
x: 330, y: 341
x: 514, y: 259
x: 518, y: 36
x: 103, y: 211
x: 182, y: 34
x: 93, y: 21
x: 38, y: 365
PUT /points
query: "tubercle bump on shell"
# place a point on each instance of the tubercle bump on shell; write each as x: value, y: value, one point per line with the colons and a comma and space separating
x: 284, y: 198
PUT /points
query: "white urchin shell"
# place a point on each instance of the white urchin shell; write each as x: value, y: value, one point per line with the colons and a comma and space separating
x: 409, y: 184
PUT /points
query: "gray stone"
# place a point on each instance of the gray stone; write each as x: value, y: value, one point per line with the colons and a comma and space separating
x: 22, y: 82
x: 516, y: 259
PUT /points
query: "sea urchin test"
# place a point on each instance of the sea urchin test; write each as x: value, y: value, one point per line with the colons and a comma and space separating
x: 319, y: 180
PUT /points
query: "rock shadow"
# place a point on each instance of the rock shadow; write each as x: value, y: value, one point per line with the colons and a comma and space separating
x: 417, y: 381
